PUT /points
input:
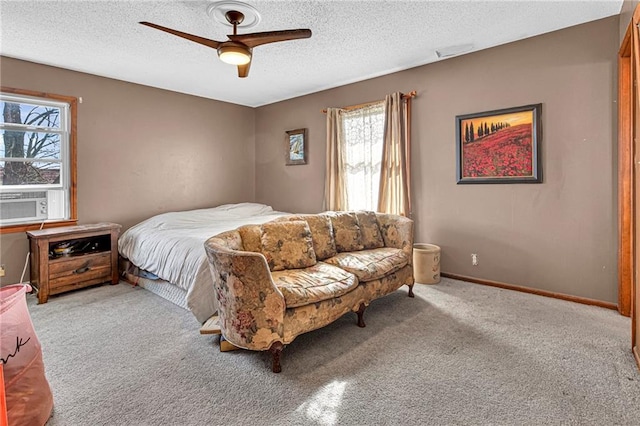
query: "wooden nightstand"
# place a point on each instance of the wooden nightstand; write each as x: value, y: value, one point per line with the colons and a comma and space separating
x: 91, y: 258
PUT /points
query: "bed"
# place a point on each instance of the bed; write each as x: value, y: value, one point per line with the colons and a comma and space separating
x: 165, y: 253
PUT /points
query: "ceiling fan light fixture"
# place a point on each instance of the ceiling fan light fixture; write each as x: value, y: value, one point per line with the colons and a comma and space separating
x: 234, y: 54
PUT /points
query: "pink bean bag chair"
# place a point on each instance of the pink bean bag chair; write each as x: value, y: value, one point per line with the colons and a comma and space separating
x: 28, y: 396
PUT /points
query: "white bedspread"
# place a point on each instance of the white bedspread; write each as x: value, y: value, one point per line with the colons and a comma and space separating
x: 171, y: 246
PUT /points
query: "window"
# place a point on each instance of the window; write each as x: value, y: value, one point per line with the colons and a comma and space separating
x: 363, y: 131
x: 37, y: 160
x: 369, y: 156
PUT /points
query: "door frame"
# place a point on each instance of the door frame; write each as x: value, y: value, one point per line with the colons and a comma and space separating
x: 628, y: 67
x: 626, y: 217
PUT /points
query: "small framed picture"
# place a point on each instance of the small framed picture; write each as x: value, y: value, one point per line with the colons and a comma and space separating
x: 501, y: 146
x: 296, y: 147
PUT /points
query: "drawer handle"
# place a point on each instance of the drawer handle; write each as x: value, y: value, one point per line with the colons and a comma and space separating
x: 81, y: 270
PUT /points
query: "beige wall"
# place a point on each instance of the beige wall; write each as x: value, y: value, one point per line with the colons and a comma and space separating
x: 142, y: 151
x: 557, y: 236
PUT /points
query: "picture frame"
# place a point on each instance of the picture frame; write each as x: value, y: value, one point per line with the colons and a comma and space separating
x: 499, y: 146
x: 296, y: 147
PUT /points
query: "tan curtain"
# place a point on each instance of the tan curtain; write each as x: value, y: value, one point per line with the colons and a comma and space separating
x: 335, y: 194
x: 394, y: 196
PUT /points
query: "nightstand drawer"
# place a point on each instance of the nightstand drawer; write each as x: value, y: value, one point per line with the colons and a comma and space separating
x: 63, y: 271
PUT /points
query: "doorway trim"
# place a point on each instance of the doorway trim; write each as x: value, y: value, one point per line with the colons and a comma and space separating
x: 626, y: 221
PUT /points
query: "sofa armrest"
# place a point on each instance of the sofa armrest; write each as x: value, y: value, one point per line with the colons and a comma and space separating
x: 250, y: 307
x: 397, y: 232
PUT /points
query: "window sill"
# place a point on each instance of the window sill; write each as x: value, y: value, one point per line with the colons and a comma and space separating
x: 9, y: 229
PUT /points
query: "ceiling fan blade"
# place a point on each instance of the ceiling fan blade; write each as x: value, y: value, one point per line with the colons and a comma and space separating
x: 243, y: 70
x: 200, y: 40
x: 256, y: 39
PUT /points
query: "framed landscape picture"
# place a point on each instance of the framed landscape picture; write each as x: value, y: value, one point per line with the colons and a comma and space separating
x: 501, y: 146
x: 296, y: 147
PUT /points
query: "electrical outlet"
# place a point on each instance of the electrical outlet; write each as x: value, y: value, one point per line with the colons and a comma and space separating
x: 474, y: 259
x: 2, y: 271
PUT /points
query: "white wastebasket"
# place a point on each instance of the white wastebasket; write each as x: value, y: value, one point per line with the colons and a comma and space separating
x: 426, y: 263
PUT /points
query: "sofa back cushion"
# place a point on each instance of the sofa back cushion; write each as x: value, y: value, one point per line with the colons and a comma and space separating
x: 346, y: 231
x: 371, y: 236
x: 251, y: 238
x: 321, y: 233
x: 287, y: 245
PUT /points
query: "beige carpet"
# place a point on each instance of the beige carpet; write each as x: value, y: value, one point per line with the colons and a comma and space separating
x: 458, y: 353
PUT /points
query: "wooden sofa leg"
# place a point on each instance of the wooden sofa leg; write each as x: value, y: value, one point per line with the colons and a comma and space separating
x: 276, y: 350
x: 360, y: 313
x: 411, y: 290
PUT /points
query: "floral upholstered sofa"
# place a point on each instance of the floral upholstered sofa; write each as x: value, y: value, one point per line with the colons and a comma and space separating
x: 298, y: 273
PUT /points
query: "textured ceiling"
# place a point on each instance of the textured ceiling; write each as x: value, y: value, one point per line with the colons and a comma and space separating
x: 352, y: 40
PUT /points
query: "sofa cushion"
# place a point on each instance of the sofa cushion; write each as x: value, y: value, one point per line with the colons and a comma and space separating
x: 346, y: 231
x: 313, y: 284
x: 251, y: 237
x: 371, y: 236
x: 369, y: 265
x: 321, y: 233
x: 287, y: 245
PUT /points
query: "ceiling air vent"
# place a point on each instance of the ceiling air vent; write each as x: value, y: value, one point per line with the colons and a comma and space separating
x: 446, y: 52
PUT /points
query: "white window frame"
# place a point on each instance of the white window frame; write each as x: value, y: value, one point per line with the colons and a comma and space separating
x: 68, y: 173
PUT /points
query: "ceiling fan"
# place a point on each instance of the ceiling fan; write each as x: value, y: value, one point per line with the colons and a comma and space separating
x: 238, y: 50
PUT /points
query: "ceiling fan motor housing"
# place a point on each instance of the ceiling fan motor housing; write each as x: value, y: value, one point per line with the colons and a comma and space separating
x: 234, y: 17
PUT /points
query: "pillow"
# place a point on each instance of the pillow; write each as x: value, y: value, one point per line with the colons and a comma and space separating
x: 287, y: 245
x: 346, y: 231
x: 371, y: 236
x: 245, y: 209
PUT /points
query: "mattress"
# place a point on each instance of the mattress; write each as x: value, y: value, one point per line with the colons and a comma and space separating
x: 170, y: 246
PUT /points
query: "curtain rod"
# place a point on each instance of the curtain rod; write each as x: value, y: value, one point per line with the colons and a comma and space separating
x: 409, y: 95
